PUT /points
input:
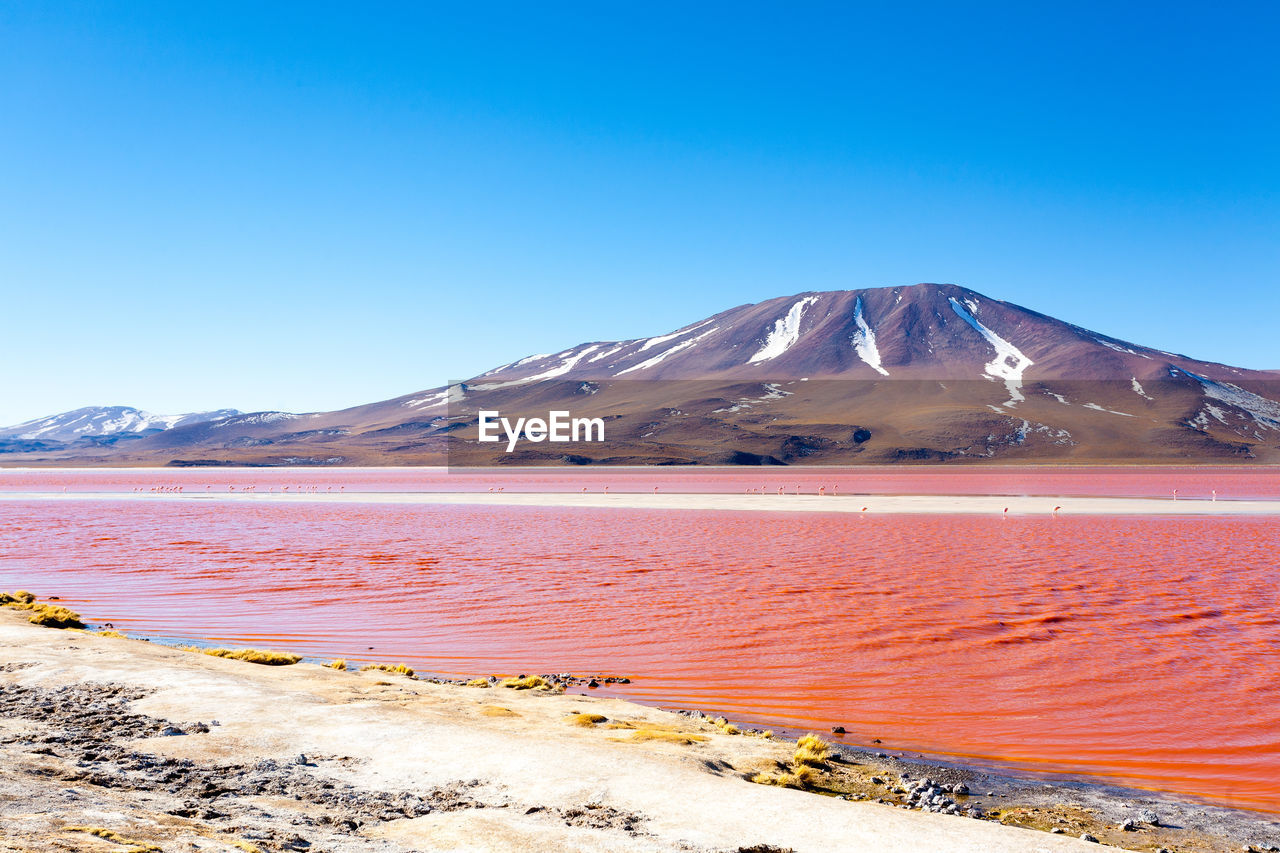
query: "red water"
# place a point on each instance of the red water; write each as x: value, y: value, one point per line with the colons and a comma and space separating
x: 1142, y: 651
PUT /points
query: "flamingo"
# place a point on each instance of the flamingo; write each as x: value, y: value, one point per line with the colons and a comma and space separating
x: 1055, y: 509
x: 1215, y: 494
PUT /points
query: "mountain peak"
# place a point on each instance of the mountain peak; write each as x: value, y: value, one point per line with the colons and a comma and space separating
x: 102, y: 421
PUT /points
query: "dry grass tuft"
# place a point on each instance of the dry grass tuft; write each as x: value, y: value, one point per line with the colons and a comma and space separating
x: 48, y: 615
x: 798, y: 776
x: 725, y: 726
x: 477, y: 682
x: 262, y: 656
x: 497, y: 711
x: 683, y: 738
x: 115, y: 838
x: 587, y: 721
x: 246, y: 847
x: 398, y: 669
x: 811, y: 751
x: 339, y: 664
x: 527, y: 682
x: 53, y: 616
x: 115, y: 634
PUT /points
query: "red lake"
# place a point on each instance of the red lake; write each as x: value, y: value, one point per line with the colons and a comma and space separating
x: 1142, y: 651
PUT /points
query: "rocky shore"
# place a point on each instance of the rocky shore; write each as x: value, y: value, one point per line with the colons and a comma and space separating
x: 115, y: 744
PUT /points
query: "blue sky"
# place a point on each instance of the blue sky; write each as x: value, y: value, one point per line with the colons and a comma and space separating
x: 308, y: 206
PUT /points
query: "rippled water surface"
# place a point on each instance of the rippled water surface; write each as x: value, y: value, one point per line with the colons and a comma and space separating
x: 1138, y: 650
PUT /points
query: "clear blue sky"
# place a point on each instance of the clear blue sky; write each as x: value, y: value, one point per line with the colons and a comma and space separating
x: 313, y: 205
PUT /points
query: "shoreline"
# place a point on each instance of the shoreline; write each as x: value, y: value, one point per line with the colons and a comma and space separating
x: 991, y: 505
x: 505, y: 769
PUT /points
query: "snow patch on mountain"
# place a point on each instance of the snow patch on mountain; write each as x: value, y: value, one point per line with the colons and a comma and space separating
x: 431, y: 399
x: 864, y: 340
x: 1009, y: 363
x: 567, y: 363
x: 662, y: 339
x: 785, y: 332
x: 1098, y: 408
x: 1264, y: 411
x: 660, y: 357
x: 1137, y: 388
x: 604, y: 354
x: 255, y: 419
x: 1111, y: 345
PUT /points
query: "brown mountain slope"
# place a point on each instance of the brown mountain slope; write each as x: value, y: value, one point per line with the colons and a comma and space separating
x: 923, y: 373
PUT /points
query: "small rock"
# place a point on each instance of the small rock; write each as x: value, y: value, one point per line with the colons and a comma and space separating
x: 1129, y: 825
x: 961, y: 789
x: 1148, y: 816
x: 1087, y: 837
x: 593, y: 684
x: 1057, y: 830
x: 876, y: 780
x: 837, y: 730
x: 170, y: 731
x: 301, y: 760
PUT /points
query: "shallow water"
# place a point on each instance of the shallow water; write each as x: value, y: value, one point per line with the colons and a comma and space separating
x: 1098, y: 481
x: 1143, y: 651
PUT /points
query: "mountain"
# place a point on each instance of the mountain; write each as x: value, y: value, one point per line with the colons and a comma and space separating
x: 96, y: 422
x: 930, y: 372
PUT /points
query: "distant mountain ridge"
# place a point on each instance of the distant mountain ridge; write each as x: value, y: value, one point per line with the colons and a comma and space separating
x: 929, y: 372
x: 100, y: 421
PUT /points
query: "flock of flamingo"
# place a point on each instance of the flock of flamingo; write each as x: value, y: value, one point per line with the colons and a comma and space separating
x: 314, y: 489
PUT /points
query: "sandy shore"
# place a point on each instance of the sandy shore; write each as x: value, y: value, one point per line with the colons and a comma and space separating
x: 870, y: 504
x: 183, y: 751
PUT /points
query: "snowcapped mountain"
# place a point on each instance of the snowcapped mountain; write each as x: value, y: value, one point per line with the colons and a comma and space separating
x: 100, y: 421
x: 927, y: 331
x: 929, y: 372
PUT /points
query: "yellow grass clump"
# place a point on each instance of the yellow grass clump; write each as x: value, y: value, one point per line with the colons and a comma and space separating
x: 587, y: 721
x: 48, y: 615
x: 262, y: 656
x: 527, y: 682
x: 398, y: 669
x: 115, y: 838
x: 477, y: 682
x: 53, y: 616
x: 682, y: 738
x: 799, y: 776
x: 725, y: 726
x: 811, y: 751
x: 497, y: 711
x: 115, y: 634
x: 246, y: 847
x: 338, y: 664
